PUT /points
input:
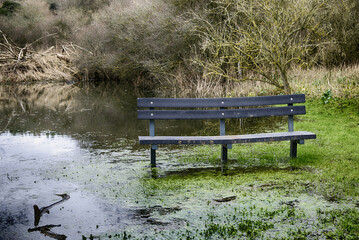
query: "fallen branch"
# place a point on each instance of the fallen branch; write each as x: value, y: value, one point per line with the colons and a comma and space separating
x: 64, y: 58
x: 22, y: 54
x: 49, y: 35
x: 47, y: 51
x: 43, y: 228
x: 46, y: 230
x: 225, y: 199
x: 38, y: 212
x: 19, y: 64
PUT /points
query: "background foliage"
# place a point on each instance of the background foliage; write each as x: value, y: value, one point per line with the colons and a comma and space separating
x: 180, y: 43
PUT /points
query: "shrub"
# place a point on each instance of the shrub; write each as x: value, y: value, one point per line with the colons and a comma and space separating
x: 88, y: 6
x: 136, y: 39
x: 192, y: 44
x: 342, y: 18
x: 35, y: 21
x: 8, y: 8
x: 29, y: 22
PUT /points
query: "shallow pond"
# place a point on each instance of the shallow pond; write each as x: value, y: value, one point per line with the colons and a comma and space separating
x: 72, y: 151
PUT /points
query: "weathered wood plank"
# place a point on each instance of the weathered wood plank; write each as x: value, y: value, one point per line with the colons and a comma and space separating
x: 219, y: 102
x: 230, y: 139
x: 220, y: 114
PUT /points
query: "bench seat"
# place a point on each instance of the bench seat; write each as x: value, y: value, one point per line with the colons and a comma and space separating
x: 160, y: 109
x: 227, y: 139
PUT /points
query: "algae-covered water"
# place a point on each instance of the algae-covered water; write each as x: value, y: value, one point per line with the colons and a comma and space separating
x: 80, y: 141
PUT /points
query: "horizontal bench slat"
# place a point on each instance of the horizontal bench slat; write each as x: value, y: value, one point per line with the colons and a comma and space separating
x: 220, y: 102
x: 229, y: 139
x: 220, y: 114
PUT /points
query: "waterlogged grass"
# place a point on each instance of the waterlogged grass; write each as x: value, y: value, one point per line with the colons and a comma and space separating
x: 332, y: 157
x: 315, y: 196
x: 346, y: 221
x: 335, y: 151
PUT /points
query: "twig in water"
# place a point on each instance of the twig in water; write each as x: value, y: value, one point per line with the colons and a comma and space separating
x: 43, y: 228
x: 225, y: 199
x: 38, y: 212
x: 46, y: 230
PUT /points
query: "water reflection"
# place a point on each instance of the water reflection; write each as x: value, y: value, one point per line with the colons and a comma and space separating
x: 28, y: 98
x: 69, y: 110
x: 82, y: 140
x: 99, y: 113
x: 47, y: 231
x: 29, y: 176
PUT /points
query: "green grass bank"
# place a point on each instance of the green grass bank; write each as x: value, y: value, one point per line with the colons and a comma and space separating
x: 332, y: 160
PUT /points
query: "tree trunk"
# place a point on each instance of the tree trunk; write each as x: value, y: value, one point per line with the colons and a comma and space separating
x: 286, y: 85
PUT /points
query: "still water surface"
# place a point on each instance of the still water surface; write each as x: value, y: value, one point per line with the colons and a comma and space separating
x: 80, y: 141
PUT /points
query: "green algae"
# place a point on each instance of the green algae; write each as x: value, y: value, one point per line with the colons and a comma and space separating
x: 270, y: 203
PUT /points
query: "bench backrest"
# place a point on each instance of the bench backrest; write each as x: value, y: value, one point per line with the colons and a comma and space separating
x: 220, y: 105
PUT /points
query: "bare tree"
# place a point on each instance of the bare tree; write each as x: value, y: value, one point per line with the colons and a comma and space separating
x: 262, y: 37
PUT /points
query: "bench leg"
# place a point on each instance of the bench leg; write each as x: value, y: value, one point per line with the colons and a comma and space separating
x: 293, y: 149
x: 224, y: 154
x: 153, y: 157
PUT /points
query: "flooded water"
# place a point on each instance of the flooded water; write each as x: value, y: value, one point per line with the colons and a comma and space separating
x: 60, y: 140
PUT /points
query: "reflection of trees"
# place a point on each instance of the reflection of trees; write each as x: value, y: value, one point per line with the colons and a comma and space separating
x: 26, y: 97
x: 7, y: 121
x: 88, y: 111
x: 95, y: 112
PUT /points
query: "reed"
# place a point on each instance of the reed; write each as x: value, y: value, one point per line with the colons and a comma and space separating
x: 343, y: 82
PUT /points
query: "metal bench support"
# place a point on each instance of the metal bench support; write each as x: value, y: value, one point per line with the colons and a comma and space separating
x: 153, y: 147
x: 153, y: 156
x: 293, y: 144
x: 293, y: 147
x: 222, y: 132
x: 224, y: 154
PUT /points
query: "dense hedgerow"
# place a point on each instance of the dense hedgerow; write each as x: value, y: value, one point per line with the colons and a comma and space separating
x: 192, y: 43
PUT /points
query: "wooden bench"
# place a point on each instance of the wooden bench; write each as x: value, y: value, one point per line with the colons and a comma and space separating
x: 222, y: 108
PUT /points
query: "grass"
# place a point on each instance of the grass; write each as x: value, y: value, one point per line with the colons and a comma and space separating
x: 343, y: 82
x: 335, y: 150
x: 333, y: 155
